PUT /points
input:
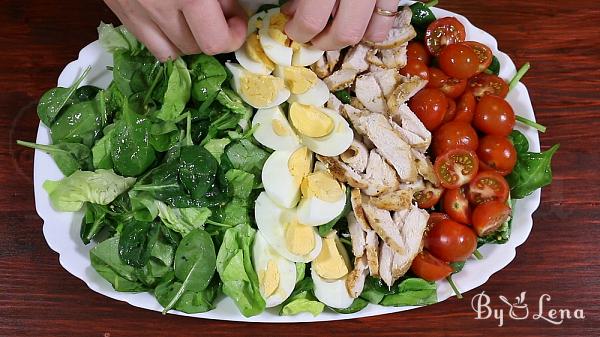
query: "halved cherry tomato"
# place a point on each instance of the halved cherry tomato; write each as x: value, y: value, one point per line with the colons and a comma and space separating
x: 415, y: 67
x: 465, y: 108
x: 488, y: 185
x: 483, y: 52
x: 489, y: 216
x: 436, y: 217
x: 451, y: 241
x: 416, y: 50
x: 497, y: 153
x: 430, y: 106
x: 494, y: 116
x: 443, y: 32
x: 456, y: 168
x: 428, y: 197
x: 456, y: 205
x: 459, y: 61
x: 429, y: 267
x: 451, y: 87
x: 450, y: 112
x: 487, y: 84
x: 437, y: 78
x: 454, y: 135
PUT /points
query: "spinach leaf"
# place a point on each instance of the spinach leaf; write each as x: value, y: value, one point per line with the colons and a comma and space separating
x: 117, y: 39
x: 143, y: 206
x: 494, y: 67
x: 343, y: 95
x: 79, y: 123
x: 532, y: 171
x: 422, y: 16
x: 106, y: 261
x: 325, y: 229
x: 246, y: 156
x: 207, y: 75
x: 164, y: 135
x: 136, y: 242
x: 357, y: 305
x: 374, y: 290
x: 135, y: 73
x: 216, y: 147
x: 54, y: 100
x: 69, y: 157
x: 190, y: 302
x: 99, y: 187
x: 182, y: 220
x: 237, y: 210
x: 234, y: 266
x: 302, y: 299
x: 85, y: 93
x: 102, y: 149
x: 197, y: 170
x: 92, y: 222
x: 178, y: 92
x: 411, y: 291
x: 232, y: 101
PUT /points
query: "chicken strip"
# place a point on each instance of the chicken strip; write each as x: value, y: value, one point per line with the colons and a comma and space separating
x: 356, y: 156
x: 411, y: 230
x: 355, y: 281
x: 369, y: 93
x: 381, y: 221
x: 394, y: 200
x: 357, y: 235
x: 356, y: 58
x: 373, y: 253
x: 386, y: 258
x: 407, y: 88
x: 342, y: 172
x: 380, y: 176
x: 340, y: 79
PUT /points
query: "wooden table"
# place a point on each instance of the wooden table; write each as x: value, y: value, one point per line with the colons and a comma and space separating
x: 38, y: 297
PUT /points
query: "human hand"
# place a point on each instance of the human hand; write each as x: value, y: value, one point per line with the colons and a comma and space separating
x: 170, y: 28
x: 353, y: 21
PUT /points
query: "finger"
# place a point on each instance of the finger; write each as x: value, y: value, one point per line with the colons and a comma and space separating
x: 380, y: 25
x: 348, y: 26
x: 237, y: 20
x: 290, y: 7
x: 139, y: 24
x: 213, y: 33
x: 309, y: 19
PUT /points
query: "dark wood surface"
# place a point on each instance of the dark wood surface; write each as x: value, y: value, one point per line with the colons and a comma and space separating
x: 37, y: 297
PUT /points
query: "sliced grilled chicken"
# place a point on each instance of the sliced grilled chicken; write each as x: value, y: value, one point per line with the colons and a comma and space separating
x: 425, y: 168
x: 393, y: 200
x: 415, y: 186
x: 356, y: 103
x: 380, y: 176
x: 357, y: 235
x: 356, y: 58
x: 407, y: 88
x: 405, y: 117
x: 403, y: 18
x: 387, y: 79
x: 353, y: 115
x: 356, y: 156
x: 373, y: 253
x: 396, y: 37
x: 369, y: 93
x: 395, y: 58
x: 342, y: 172
x: 390, y: 145
x: 359, y: 213
x: 334, y: 103
x: 400, y: 215
x: 386, y: 258
x: 355, y: 281
x: 415, y: 141
x: 381, y: 221
x: 340, y: 79
x: 333, y: 57
x: 374, y: 59
x: 320, y: 67
x: 412, y: 230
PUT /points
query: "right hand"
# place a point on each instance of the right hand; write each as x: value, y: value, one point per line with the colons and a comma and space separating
x: 170, y: 28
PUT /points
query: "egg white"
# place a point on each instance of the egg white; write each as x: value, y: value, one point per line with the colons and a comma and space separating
x: 313, y: 211
x: 238, y: 72
x: 278, y: 53
x: 317, y: 95
x: 278, y: 181
x: 332, y: 293
x: 264, y: 134
x: 335, y: 143
x: 306, y: 56
x: 241, y: 55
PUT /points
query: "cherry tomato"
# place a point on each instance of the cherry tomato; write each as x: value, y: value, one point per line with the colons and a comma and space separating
x: 436, y: 217
x: 484, y: 54
x: 456, y: 168
x: 456, y: 205
x: 416, y: 50
x: 443, y: 32
x: 437, y: 78
x: 415, y: 67
x: 429, y: 267
x: 465, y: 108
x: 489, y: 216
x: 459, y: 61
x: 454, y: 135
x: 488, y: 185
x: 450, y: 112
x: 494, y: 116
x: 428, y: 197
x: 430, y: 106
x: 451, y: 241
x: 497, y: 153
x: 451, y: 87
x: 487, y: 84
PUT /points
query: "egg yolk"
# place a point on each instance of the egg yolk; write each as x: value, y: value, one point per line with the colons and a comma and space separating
x: 299, y: 238
x: 256, y: 52
x: 299, y: 79
x: 310, y: 121
x: 277, y: 27
x: 279, y: 128
x: 300, y: 164
x: 269, y: 278
x: 330, y: 264
x: 260, y: 90
x: 321, y: 185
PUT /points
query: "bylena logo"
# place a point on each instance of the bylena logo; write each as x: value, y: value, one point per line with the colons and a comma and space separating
x: 520, y: 310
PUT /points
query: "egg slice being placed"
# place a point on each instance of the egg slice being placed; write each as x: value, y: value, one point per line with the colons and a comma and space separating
x: 322, y: 130
x: 260, y: 91
x: 329, y: 272
x: 323, y: 199
x: 273, y: 130
x: 252, y: 57
x: 304, y: 85
x: 280, y: 228
x: 276, y: 275
x: 283, y: 173
x: 273, y: 39
x: 305, y: 55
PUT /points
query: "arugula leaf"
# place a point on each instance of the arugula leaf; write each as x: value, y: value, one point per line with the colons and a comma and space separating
x: 178, y: 92
x: 54, y: 100
x: 69, y: 157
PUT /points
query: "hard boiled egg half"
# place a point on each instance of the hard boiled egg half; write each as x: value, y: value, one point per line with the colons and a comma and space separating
x: 276, y: 275
x: 272, y: 129
x: 305, y: 86
x: 260, y: 91
x: 323, y: 199
x: 283, y: 173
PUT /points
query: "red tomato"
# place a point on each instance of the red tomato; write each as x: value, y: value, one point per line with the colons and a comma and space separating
x: 415, y: 67
x: 451, y: 241
x: 437, y: 78
x: 443, y: 32
x: 450, y: 112
x: 416, y: 50
x: 465, y: 108
x: 451, y: 87
x: 428, y: 197
x: 487, y: 84
x: 436, y: 217
x: 484, y: 54
x: 456, y: 168
x: 459, y: 61
x: 497, y: 153
x: 454, y: 135
x: 488, y: 185
x: 494, y: 116
x: 489, y: 216
x: 430, y: 106
x: 456, y: 204
x: 429, y: 267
